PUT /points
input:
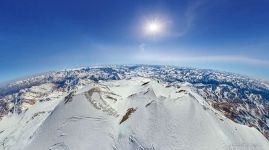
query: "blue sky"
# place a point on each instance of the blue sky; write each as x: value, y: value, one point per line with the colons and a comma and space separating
x: 38, y: 36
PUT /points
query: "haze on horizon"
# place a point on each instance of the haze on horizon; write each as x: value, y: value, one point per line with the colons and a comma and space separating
x: 38, y: 36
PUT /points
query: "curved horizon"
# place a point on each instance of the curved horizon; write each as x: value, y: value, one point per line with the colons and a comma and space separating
x: 39, y: 36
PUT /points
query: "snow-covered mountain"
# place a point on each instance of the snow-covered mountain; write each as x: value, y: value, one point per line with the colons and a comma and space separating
x: 135, y: 107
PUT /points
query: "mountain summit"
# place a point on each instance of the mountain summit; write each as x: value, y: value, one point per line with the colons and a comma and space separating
x: 135, y: 107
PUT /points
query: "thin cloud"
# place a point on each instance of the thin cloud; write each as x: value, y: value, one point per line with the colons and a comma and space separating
x: 190, y: 14
x: 177, y: 58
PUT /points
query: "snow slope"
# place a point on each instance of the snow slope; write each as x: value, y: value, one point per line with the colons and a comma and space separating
x: 139, y: 114
x: 16, y: 130
x: 242, y: 99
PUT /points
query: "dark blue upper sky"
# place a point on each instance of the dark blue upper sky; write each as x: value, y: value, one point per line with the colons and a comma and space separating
x: 44, y: 35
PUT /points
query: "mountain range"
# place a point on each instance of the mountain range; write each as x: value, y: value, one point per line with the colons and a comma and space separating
x: 146, y: 107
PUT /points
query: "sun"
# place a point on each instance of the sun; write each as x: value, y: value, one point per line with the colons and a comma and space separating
x: 153, y: 27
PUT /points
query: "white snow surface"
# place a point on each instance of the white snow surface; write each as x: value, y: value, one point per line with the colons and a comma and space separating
x: 164, y: 118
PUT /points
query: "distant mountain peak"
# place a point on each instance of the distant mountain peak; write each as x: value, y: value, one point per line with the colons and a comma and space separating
x: 111, y: 91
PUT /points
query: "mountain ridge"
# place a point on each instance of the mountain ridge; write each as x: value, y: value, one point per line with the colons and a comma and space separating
x: 151, y: 125
x: 242, y: 99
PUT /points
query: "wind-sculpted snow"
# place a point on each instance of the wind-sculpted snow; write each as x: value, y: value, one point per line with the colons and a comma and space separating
x: 156, y: 117
x: 240, y: 98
